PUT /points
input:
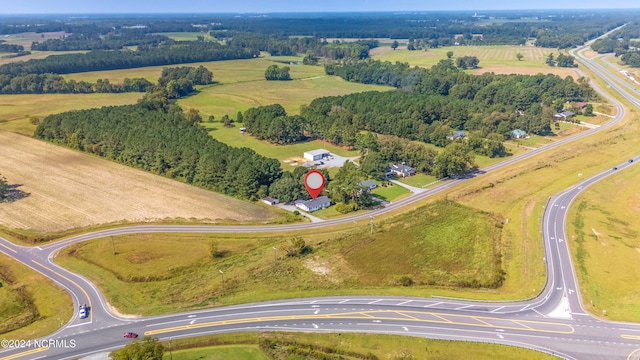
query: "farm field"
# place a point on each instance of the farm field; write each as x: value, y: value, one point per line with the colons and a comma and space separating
x: 240, y: 84
x: 381, y: 346
x: 186, y: 36
x: 345, y: 261
x: 67, y: 189
x: 31, y: 304
x: 15, y: 110
x: 605, y: 244
x: 500, y: 59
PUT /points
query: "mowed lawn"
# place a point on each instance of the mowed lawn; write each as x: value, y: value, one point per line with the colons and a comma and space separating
x: 441, y: 244
x: 223, y: 352
x: 605, y: 243
x: 500, y: 59
x: 233, y: 137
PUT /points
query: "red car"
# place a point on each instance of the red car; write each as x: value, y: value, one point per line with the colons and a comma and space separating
x: 130, y: 335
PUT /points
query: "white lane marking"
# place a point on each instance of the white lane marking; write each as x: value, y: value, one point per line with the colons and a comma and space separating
x: 374, y: 301
x: 494, y: 310
x: 316, y: 312
x: 463, y: 307
x: 88, y: 323
x: 192, y: 316
x: 315, y: 326
x: 404, y: 302
x: 500, y: 336
x: 434, y: 304
x: 405, y: 328
x: 343, y: 301
x: 192, y: 321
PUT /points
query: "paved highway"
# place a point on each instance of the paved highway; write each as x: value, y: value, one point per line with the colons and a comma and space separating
x: 554, y: 322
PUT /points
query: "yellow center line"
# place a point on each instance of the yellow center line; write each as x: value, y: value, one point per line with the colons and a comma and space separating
x: 410, y: 317
x: 74, y: 283
x: 631, y: 354
x: 24, y: 353
x: 631, y: 337
x: 519, y: 323
x: 8, y: 248
x: 443, y: 319
x: 482, y: 321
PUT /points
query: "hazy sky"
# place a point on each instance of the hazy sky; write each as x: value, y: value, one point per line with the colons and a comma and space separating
x: 212, y: 6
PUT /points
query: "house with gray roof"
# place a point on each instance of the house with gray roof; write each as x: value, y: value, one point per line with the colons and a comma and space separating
x: 318, y: 203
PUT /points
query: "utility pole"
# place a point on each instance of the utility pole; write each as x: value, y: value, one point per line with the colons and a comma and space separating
x: 222, y: 282
x: 371, y: 223
x: 275, y: 257
x: 113, y: 245
x: 354, y: 230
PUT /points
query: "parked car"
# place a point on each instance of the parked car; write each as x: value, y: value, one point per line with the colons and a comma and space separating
x: 130, y: 335
x: 630, y: 160
x: 615, y: 168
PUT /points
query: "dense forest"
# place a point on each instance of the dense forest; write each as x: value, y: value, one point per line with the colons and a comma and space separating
x: 165, y: 143
x: 429, y: 105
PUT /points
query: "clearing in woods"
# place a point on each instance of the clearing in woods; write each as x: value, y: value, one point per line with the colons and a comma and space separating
x: 68, y: 189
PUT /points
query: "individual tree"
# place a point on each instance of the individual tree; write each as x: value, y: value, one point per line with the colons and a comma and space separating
x: 394, y: 44
x: 3, y: 187
x: 455, y: 160
x: 227, y: 121
x: 449, y: 54
x: 588, y: 110
x: 550, y: 60
x: 345, y: 185
x: 193, y: 116
x: 310, y: 58
x: 519, y: 56
x: 467, y: 62
x: 148, y: 348
x: 274, y: 72
x: 374, y: 165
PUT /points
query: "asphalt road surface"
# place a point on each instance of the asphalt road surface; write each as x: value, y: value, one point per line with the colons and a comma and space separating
x: 554, y: 322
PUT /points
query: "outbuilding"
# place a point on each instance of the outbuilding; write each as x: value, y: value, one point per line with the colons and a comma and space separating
x: 318, y: 154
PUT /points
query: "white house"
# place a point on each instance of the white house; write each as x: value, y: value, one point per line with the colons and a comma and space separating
x: 401, y: 170
x: 270, y: 201
x: 368, y: 184
x: 318, y: 154
x: 318, y: 203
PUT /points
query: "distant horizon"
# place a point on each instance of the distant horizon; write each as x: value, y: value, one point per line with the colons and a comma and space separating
x: 73, y: 7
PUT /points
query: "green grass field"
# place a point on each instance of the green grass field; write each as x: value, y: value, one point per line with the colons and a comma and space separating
x: 31, y: 304
x: 158, y: 273
x: 15, y: 110
x: 233, y: 137
x: 244, y: 346
x: 418, y: 180
x: 390, y: 193
x: 605, y: 244
x: 187, y: 36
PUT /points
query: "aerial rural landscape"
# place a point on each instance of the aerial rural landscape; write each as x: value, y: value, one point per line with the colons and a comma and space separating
x: 353, y: 181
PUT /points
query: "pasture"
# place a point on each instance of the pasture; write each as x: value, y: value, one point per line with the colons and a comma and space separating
x: 15, y: 110
x: 605, y: 244
x: 348, y: 260
x: 500, y: 59
x: 66, y: 189
x: 359, y: 345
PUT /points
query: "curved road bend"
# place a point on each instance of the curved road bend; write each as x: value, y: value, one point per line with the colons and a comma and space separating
x: 554, y: 322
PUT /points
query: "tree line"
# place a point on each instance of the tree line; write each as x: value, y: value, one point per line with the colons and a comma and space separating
x: 11, y: 48
x: 163, y: 141
x: 179, y: 53
x: 180, y: 81
x: 97, y: 41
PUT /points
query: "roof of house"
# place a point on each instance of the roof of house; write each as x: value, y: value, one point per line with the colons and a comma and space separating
x: 368, y: 183
x: 402, y: 168
x: 518, y: 132
x: 320, y: 200
x: 269, y: 199
x: 581, y: 104
x: 567, y: 113
x: 317, y: 152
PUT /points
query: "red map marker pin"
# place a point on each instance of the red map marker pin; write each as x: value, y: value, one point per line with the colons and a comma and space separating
x: 314, y: 182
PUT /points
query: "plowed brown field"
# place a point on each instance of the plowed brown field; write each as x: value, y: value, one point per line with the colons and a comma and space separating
x: 68, y: 189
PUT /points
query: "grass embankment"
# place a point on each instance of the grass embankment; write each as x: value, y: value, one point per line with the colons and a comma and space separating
x: 353, y: 346
x: 444, y: 244
x: 31, y: 304
x: 605, y: 242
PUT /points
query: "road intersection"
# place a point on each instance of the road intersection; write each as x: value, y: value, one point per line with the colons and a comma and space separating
x: 554, y: 322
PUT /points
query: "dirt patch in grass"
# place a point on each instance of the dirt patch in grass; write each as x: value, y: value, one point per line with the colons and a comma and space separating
x: 66, y: 189
x: 499, y: 69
